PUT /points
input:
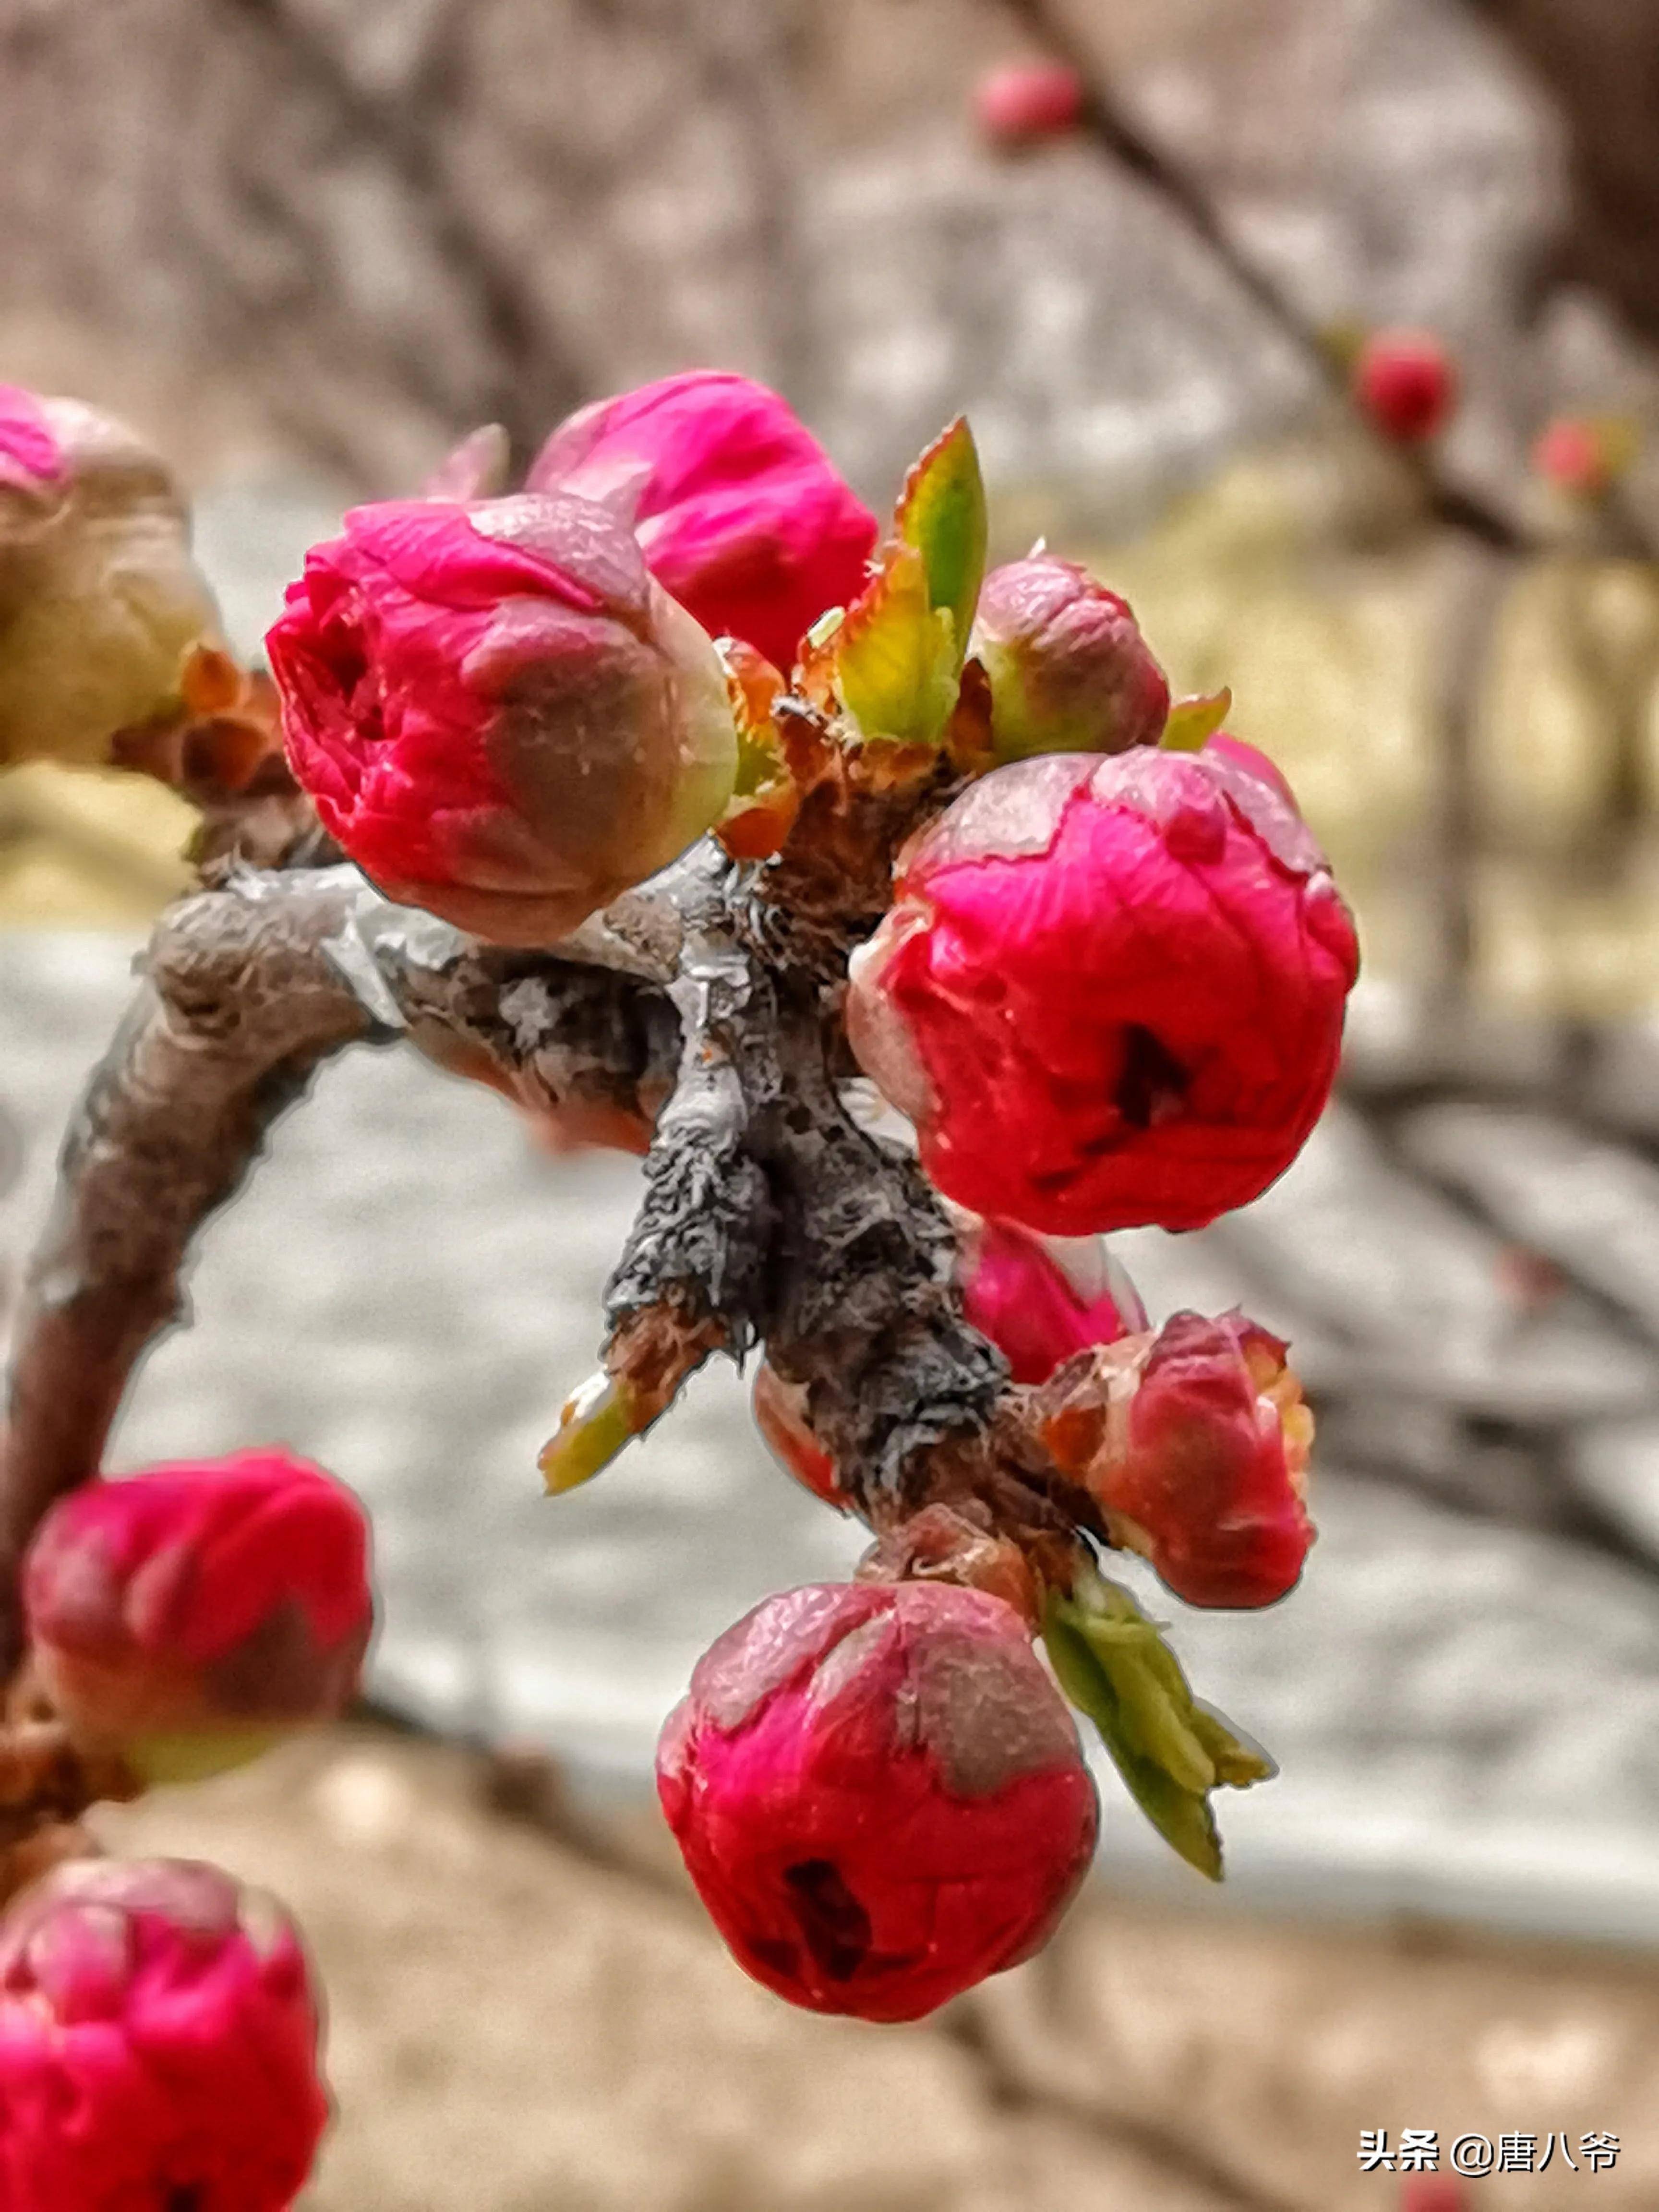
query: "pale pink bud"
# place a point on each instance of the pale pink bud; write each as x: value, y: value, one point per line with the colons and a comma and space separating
x: 1068, y: 667
x: 102, y: 612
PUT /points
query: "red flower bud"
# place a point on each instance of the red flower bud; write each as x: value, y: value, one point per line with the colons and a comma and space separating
x: 1109, y: 992
x: 1068, y: 667
x: 499, y: 715
x: 1042, y: 1300
x: 779, y: 1411
x: 1405, y: 384
x: 102, y: 612
x: 1195, y: 1441
x: 879, y: 1795
x: 736, y: 505
x: 158, y: 2044
x: 187, y: 1617
x: 1022, y: 102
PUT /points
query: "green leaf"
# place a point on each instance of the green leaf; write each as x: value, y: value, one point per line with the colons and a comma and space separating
x: 941, y: 511
x: 1112, y: 1663
x: 1193, y: 722
x: 895, y: 664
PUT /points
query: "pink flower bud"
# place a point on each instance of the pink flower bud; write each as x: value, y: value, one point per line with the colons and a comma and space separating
x: 187, y: 1617
x: 1022, y: 102
x: 499, y: 715
x: 1254, y: 763
x: 736, y: 505
x: 102, y: 612
x: 1069, y: 668
x: 1585, y: 456
x: 158, y: 2044
x: 1195, y: 1441
x: 1109, y: 992
x: 879, y: 1793
x: 1405, y: 384
x: 1041, y: 1301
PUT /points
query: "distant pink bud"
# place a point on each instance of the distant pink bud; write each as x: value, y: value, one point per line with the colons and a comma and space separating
x: 1041, y: 1301
x: 879, y: 1795
x: 1068, y: 667
x: 737, y: 506
x: 1405, y: 383
x: 1022, y: 102
x: 30, y: 455
x: 1585, y: 456
x: 188, y: 1616
x: 1109, y: 992
x: 1195, y: 1441
x: 158, y: 2044
x: 501, y: 716
x: 102, y: 611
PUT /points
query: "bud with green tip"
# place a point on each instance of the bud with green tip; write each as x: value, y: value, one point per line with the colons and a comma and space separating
x: 1068, y: 668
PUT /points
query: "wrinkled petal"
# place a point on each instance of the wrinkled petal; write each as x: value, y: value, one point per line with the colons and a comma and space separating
x: 879, y: 1795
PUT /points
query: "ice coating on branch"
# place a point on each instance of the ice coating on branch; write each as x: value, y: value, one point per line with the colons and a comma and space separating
x: 1405, y: 383
x: 1068, y: 667
x: 1040, y: 1300
x: 1109, y: 992
x: 158, y: 2044
x: 738, y: 508
x: 102, y: 611
x: 879, y: 1793
x: 1195, y: 1441
x: 501, y: 715
x: 186, y: 1617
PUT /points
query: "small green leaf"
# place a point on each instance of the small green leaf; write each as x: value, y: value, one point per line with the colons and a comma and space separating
x: 941, y: 511
x: 1112, y: 1663
x: 594, y: 1427
x: 1193, y: 722
x: 896, y: 665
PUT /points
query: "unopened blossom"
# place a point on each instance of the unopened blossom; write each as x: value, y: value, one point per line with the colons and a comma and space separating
x: 1109, y: 992
x: 1405, y: 383
x: 501, y: 715
x: 1584, y: 455
x: 1195, y: 1443
x: 103, y: 613
x: 1068, y: 667
x: 879, y: 1793
x: 1042, y: 1299
x: 1021, y: 103
x: 739, y: 510
x: 187, y: 1617
x: 158, y: 2044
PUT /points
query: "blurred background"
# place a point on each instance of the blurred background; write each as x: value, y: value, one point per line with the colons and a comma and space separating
x: 304, y: 244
